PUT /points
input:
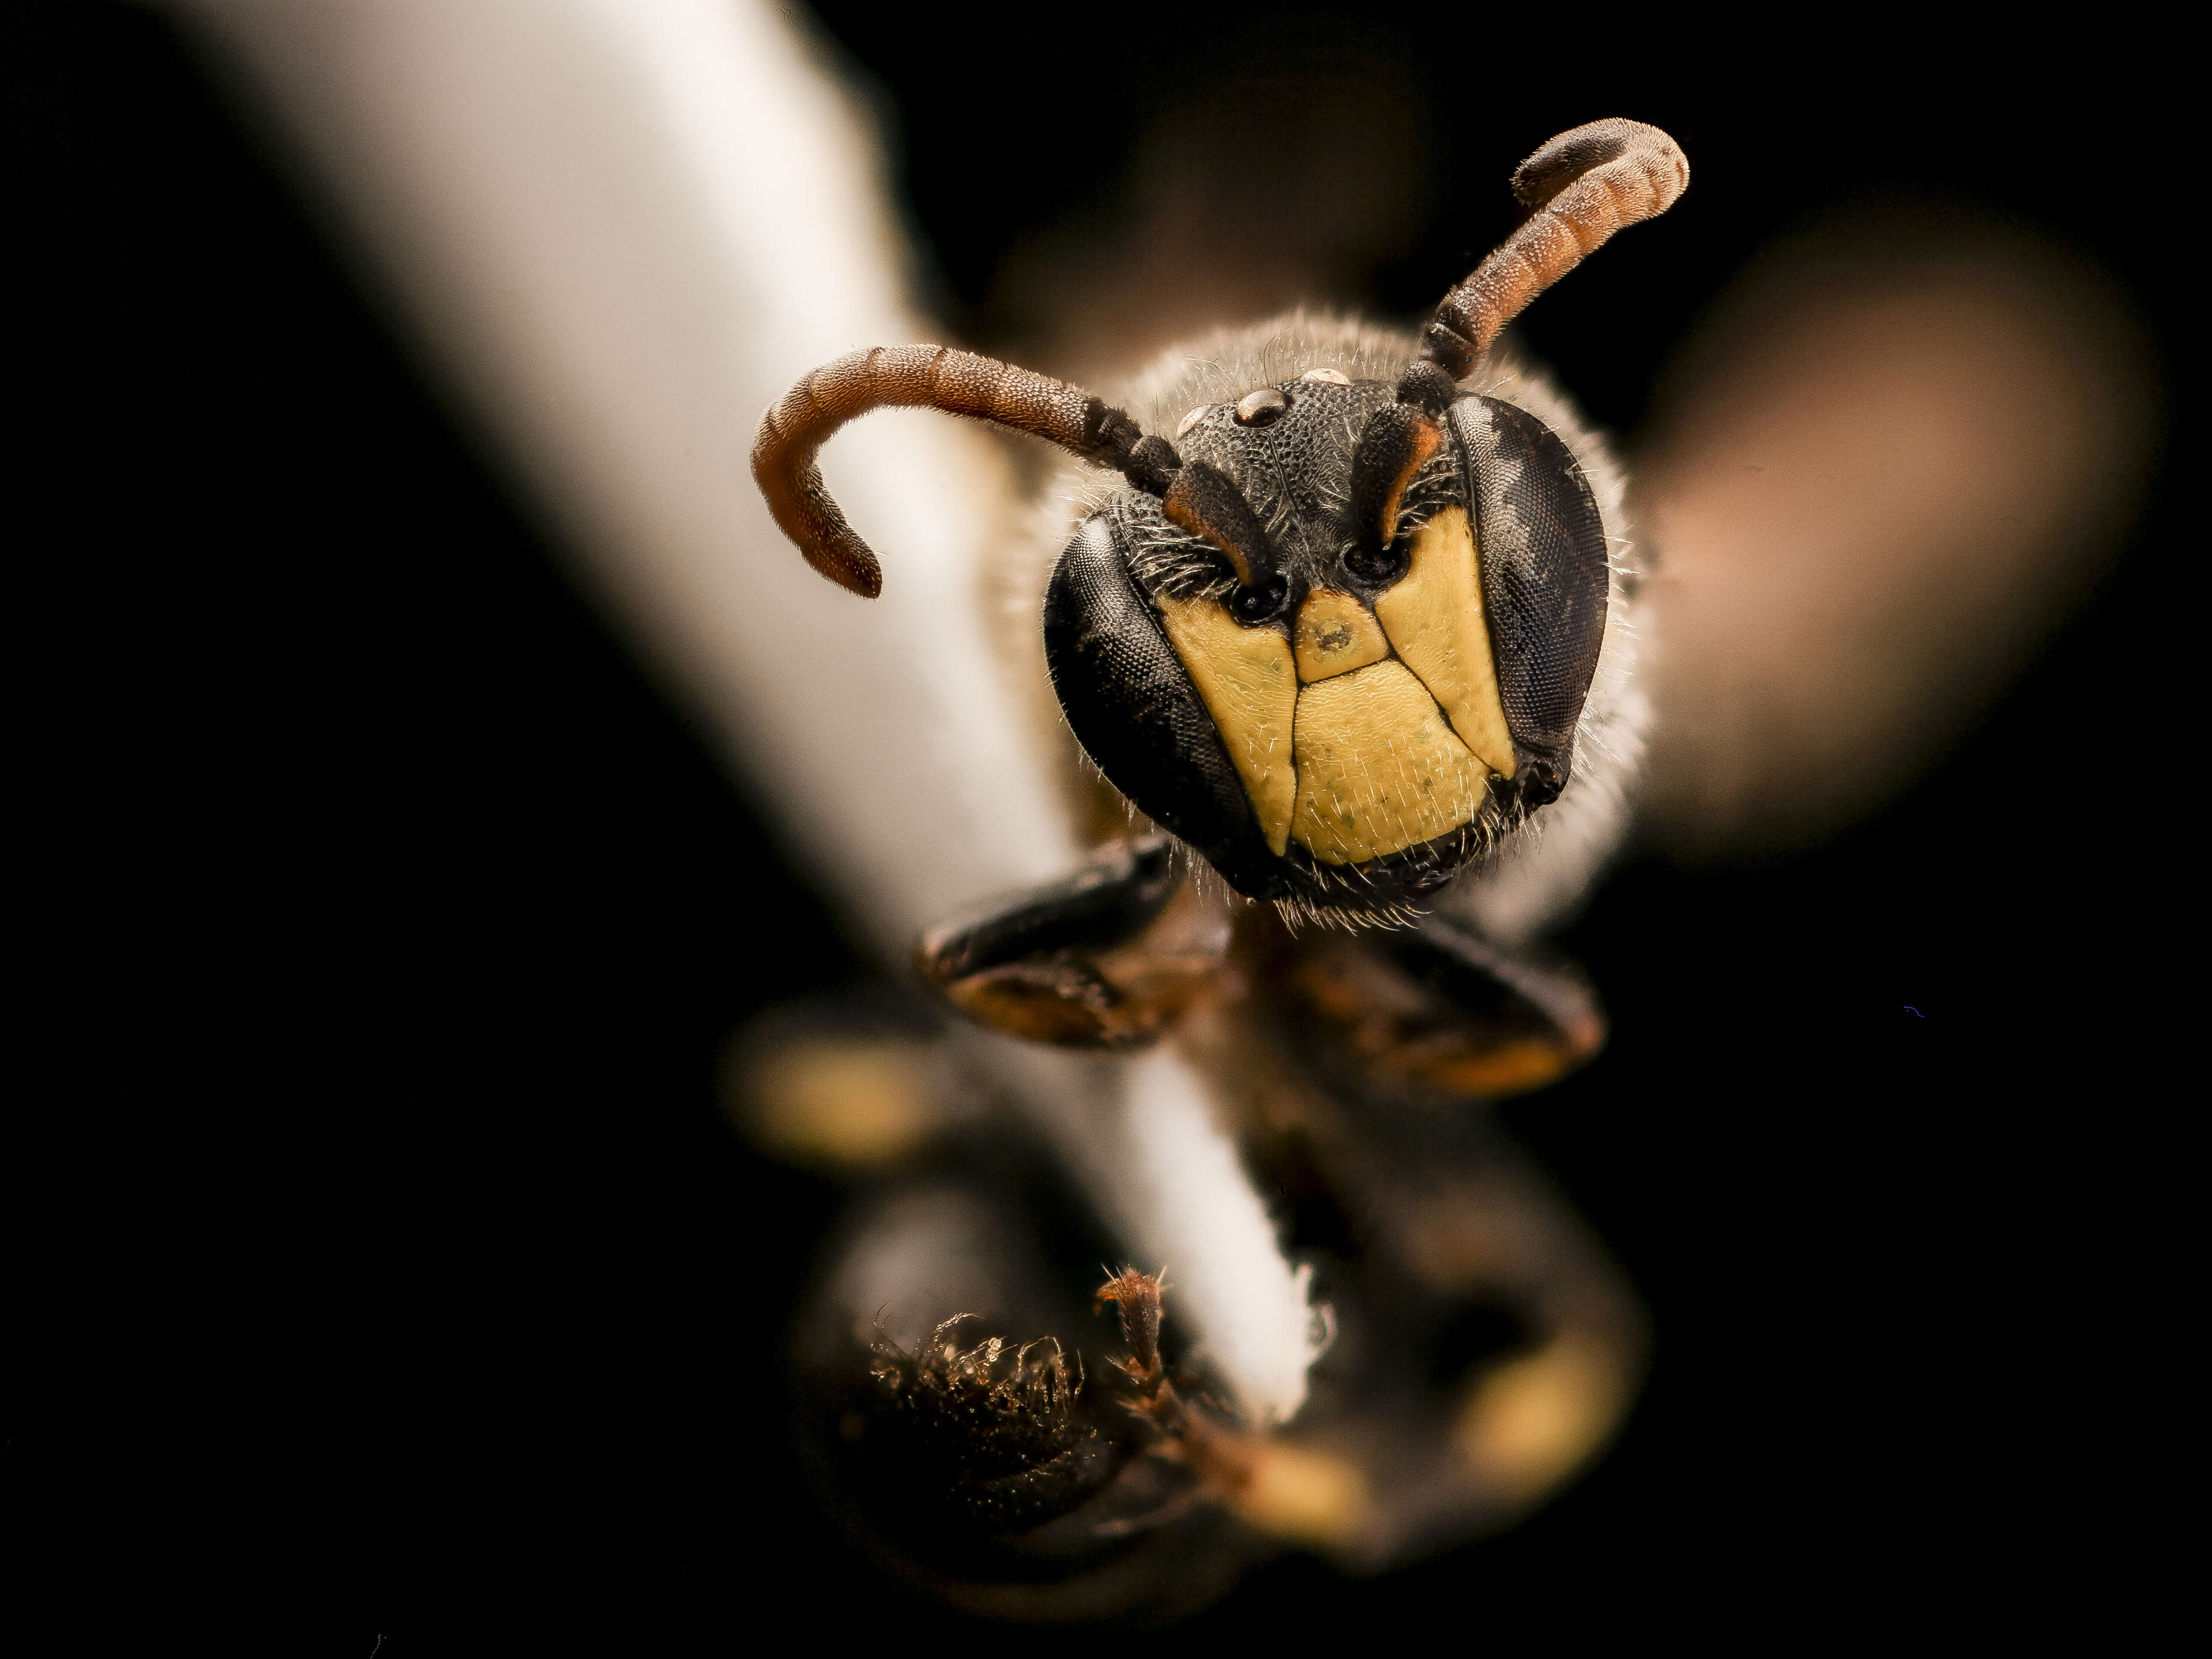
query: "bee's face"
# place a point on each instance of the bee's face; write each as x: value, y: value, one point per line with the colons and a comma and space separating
x: 1351, y: 724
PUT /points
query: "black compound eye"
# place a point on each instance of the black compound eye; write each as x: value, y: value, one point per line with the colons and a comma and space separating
x: 1544, y: 584
x: 1262, y: 602
x: 1380, y: 569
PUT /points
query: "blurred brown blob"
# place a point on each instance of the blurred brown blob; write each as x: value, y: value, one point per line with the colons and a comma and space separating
x: 1533, y: 1421
x: 810, y: 1093
x: 1894, y: 457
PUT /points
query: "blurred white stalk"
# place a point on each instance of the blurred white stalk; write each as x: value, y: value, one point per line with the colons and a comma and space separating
x: 623, y: 227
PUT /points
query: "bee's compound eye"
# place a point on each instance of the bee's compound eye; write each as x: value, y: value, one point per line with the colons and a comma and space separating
x: 1192, y: 419
x: 1259, y: 408
x: 1263, y: 602
x: 1327, y: 376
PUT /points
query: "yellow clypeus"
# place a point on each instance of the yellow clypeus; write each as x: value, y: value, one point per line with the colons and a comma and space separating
x: 1378, y: 769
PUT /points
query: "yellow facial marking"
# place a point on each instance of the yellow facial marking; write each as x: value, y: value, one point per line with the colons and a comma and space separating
x: 1378, y: 769
x: 1336, y: 633
x: 1246, y: 681
x: 1434, y: 618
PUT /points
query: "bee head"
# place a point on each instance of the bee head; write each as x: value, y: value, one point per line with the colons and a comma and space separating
x: 1346, y: 652
x: 1336, y: 633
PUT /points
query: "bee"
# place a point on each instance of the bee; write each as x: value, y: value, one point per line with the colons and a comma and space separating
x: 1353, y: 640
x: 1336, y: 646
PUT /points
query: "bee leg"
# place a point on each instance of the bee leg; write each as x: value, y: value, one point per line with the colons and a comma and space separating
x: 1110, y: 957
x: 1438, y: 1008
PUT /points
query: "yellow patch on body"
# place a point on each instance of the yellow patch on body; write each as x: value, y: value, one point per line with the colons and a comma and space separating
x: 1247, y: 679
x: 1335, y: 634
x: 1378, y: 769
x: 1527, y: 1424
x: 1434, y: 618
x: 1302, y: 1492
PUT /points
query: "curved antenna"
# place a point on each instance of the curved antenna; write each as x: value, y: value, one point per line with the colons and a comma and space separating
x: 925, y: 377
x: 1584, y: 185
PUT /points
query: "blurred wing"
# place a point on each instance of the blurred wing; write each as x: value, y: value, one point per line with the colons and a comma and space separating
x: 1884, y: 467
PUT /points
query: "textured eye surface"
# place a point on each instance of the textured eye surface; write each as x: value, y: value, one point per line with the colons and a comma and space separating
x: 1544, y: 572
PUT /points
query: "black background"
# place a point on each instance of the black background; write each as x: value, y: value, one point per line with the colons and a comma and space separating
x: 378, y: 1261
